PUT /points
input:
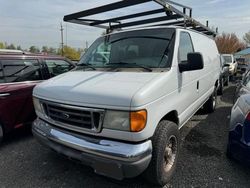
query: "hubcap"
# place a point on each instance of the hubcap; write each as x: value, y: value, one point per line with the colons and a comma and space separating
x: 170, y: 153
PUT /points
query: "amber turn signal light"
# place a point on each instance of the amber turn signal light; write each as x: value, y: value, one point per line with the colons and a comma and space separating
x: 138, y: 120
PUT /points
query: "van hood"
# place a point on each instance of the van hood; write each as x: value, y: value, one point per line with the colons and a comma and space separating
x: 94, y: 88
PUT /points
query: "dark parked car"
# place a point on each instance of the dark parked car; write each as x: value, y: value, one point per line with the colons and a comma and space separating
x: 239, y: 134
x: 19, y: 73
x: 224, y: 75
x: 243, y: 65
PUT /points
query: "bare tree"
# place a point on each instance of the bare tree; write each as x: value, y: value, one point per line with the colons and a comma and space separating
x: 229, y: 43
x: 247, y: 38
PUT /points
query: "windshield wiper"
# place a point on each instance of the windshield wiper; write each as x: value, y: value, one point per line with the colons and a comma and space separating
x: 133, y: 64
x: 86, y: 65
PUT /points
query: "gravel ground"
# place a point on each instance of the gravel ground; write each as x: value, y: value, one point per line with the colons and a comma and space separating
x: 202, y: 163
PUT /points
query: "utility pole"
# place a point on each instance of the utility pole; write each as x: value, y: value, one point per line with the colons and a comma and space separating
x: 62, y: 39
x: 66, y: 33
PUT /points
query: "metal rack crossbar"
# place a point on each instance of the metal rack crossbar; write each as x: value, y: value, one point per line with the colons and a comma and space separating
x: 171, y: 15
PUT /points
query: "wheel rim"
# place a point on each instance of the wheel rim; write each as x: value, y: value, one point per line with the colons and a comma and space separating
x: 170, y: 153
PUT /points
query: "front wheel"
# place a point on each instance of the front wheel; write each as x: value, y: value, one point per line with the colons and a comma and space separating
x: 228, y: 152
x: 165, y: 153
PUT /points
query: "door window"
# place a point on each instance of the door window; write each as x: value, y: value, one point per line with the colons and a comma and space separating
x: 1, y: 74
x: 20, y: 70
x: 57, y: 67
x: 186, y: 46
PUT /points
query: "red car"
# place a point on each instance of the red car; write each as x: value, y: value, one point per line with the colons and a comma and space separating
x: 19, y: 73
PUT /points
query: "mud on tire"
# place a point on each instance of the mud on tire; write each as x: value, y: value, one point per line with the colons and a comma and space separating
x: 166, y: 146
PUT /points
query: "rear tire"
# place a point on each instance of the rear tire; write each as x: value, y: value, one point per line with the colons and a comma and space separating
x: 165, y: 153
x: 228, y: 153
x: 227, y: 81
x: 1, y: 133
x: 210, y: 105
x: 220, y: 90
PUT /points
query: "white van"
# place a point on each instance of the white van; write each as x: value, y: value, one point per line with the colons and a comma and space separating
x: 122, y: 114
x: 233, y: 65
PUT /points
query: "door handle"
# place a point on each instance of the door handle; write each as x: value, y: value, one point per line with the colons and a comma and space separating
x: 198, y: 85
x: 4, y: 94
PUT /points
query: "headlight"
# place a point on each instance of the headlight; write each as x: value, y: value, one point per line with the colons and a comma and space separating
x: 125, y: 121
x: 37, y: 105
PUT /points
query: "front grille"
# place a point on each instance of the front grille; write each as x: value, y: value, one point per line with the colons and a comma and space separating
x: 73, y: 117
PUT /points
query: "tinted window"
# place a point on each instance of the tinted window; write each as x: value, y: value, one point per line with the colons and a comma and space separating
x: 57, y: 67
x: 186, y: 46
x: 1, y: 74
x: 20, y: 70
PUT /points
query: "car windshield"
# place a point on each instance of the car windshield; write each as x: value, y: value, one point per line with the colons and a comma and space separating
x: 228, y: 59
x: 146, y: 49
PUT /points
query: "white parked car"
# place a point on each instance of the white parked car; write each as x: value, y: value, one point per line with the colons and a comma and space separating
x: 229, y: 59
x: 122, y: 114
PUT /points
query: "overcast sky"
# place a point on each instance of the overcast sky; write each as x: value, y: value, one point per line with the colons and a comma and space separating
x: 37, y: 22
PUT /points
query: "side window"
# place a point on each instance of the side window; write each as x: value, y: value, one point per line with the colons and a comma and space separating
x: 185, y: 47
x: 1, y: 74
x: 20, y: 70
x: 57, y: 66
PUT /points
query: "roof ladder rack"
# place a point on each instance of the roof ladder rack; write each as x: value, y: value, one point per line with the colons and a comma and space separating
x: 171, y: 15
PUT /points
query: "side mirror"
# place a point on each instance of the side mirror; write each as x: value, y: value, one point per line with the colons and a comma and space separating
x: 194, y: 62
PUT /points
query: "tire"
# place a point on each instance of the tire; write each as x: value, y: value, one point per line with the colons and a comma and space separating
x: 210, y: 105
x: 220, y: 90
x: 166, y: 144
x: 1, y: 133
x: 228, y: 153
x: 227, y: 81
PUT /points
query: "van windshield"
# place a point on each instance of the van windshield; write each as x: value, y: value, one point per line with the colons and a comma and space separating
x: 144, y: 49
x: 228, y: 59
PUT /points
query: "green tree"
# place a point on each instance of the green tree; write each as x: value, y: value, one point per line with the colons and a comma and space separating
x: 70, y: 52
x: 52, y: 50
x: 45, y: 49
x: 34, y: 49
x: 11, y: 47
x: 247, y: 38
x: 2, y: 45
x: 19, y: 47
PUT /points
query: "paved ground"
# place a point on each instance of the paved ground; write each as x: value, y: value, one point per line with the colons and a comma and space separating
x: 202, y: 163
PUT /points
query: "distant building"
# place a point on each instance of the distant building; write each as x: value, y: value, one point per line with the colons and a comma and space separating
x: 243, y: 54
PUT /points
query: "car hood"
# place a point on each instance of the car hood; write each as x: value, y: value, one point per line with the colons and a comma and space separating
x: 95, y: 88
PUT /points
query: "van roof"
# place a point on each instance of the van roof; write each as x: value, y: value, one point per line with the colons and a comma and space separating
x: 155, y: 27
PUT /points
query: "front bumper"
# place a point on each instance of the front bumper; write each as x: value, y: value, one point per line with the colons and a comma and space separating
x: 238, y: 149
x: 114, y: 159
